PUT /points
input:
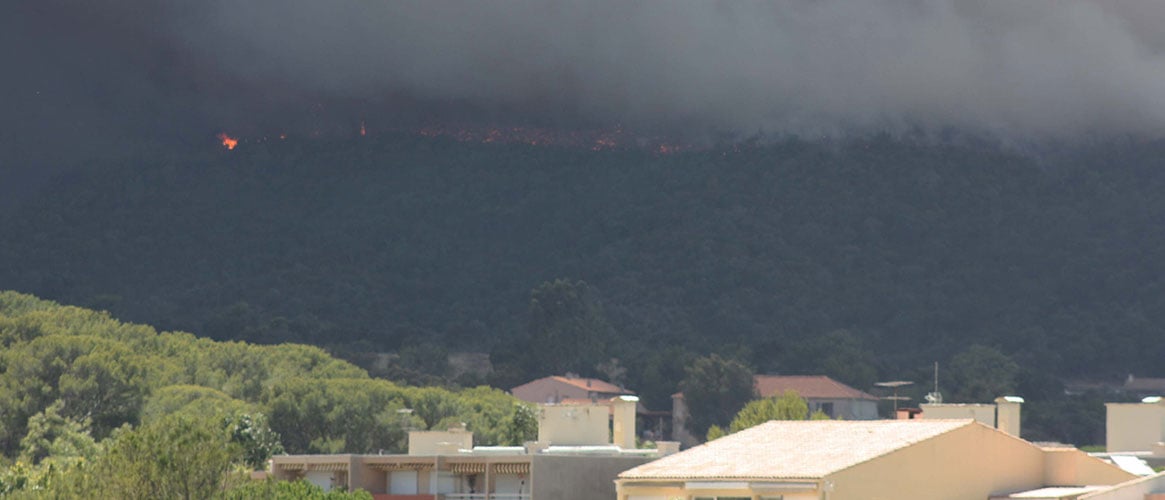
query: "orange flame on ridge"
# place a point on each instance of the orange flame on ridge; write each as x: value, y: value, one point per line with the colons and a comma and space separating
x: 228, y: 141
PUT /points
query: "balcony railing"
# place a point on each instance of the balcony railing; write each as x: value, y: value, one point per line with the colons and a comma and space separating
x: 485, y: 496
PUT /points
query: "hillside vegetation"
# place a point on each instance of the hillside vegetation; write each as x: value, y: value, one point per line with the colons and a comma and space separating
x: 78, y: 384
x: 867, y: 259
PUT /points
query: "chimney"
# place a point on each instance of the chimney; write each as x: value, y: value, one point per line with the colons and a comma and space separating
x: 1007, y: 414
x: 624, y: 421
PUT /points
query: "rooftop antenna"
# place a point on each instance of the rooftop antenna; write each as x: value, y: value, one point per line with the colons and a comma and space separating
x: 895, y: 384
x: 935, y: 397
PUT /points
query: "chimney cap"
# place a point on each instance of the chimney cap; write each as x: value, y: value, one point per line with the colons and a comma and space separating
x: 1009, y: 399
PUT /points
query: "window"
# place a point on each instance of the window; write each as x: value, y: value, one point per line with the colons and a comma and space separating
x: 827, y: 408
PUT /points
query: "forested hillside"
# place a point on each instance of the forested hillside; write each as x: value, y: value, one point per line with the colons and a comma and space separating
x: 862, y: 259
x: 76, y: 384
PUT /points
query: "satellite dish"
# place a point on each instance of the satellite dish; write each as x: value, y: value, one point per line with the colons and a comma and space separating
x: 934, y: 398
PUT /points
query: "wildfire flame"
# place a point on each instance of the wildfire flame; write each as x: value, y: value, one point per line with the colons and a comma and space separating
x: 228, y: 141
x: 594, y: 140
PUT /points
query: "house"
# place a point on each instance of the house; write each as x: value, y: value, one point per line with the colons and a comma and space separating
x: 820, y: 392
x: 573, y: 458
x: 555, y: 389
x: 1142, y: 387
x: 1136, y: 427
x: 866, y: 460
x: 1004, y: 414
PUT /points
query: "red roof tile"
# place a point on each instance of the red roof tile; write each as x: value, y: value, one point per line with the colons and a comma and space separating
x: 593, y: 384
x: 807, y: 386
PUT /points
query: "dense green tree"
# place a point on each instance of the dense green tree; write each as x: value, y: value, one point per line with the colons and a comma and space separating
x: 714, y: 389
x: 917, y: 248
x: 714, y: 432
x: 177, y: 457
x: 258, y: 442
x: 191, y: 400
x: 567, y: 328
x: 52, y: 435
x: 979, y: 374
x: 788, y: 406
x: 839, y: 354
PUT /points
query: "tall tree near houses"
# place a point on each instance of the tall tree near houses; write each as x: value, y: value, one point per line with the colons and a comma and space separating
x: 568, y: 328
x: 714, y: 389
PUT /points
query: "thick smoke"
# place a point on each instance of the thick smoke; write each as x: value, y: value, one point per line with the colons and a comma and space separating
x: 1024, y: 68
x: 158, y: 73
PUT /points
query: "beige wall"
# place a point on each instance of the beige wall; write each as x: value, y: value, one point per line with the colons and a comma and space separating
x: 1133, y: 426
x: 439, y: 442
x: 578, y: 477
x: 1137, y: 489
x: 982, y: 413
x: 968, y: 463
x: 632, y: 490
x: 1070, y: 466
x: 574, y: 425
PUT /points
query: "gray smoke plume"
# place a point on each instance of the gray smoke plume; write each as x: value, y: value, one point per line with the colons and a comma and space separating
x: 1032, y: 68
x: 92, y: 79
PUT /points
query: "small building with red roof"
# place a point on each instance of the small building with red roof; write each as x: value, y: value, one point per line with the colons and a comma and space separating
x: 820, y: 393
x: 556, y: 389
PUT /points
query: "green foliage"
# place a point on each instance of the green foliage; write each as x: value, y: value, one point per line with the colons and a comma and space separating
x: 177, y: 457
x: 981, y: 374
x: 918, y: 249
x: 192, y: 400
x: 714, y: 432
x: 839, y: 353
x: 51, y: 435
x: 68, y: 374
x: 714, y: 389
x: 255, y: 437
x: 290, y: 490
x: 339, y: 415
x: 788, y: 406
x: 567, y: 328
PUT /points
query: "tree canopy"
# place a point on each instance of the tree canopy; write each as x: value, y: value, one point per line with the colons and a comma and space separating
x: 166, y: 415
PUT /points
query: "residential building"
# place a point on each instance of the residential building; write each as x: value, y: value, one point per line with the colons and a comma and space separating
x: 573, y: 458
x: 820, y: 392
x: 555, y: 389
x: 1136, y: 427
x: 1143, y: 387
x: 1004, y: 414
x: 865, y: 460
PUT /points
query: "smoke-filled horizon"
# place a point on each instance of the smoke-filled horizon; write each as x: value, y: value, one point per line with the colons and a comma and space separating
x: 164, y: 72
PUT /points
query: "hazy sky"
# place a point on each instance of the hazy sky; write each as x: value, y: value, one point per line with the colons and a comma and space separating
x: 83, y: 76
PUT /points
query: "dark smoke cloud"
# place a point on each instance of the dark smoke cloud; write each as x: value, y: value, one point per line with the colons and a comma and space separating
x: 1025, y: 68
x: 171, y: 73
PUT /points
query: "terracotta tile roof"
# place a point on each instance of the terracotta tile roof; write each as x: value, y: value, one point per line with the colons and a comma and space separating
x: 807, y: 386
x: 593, y: 384
x: 795, y: 449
